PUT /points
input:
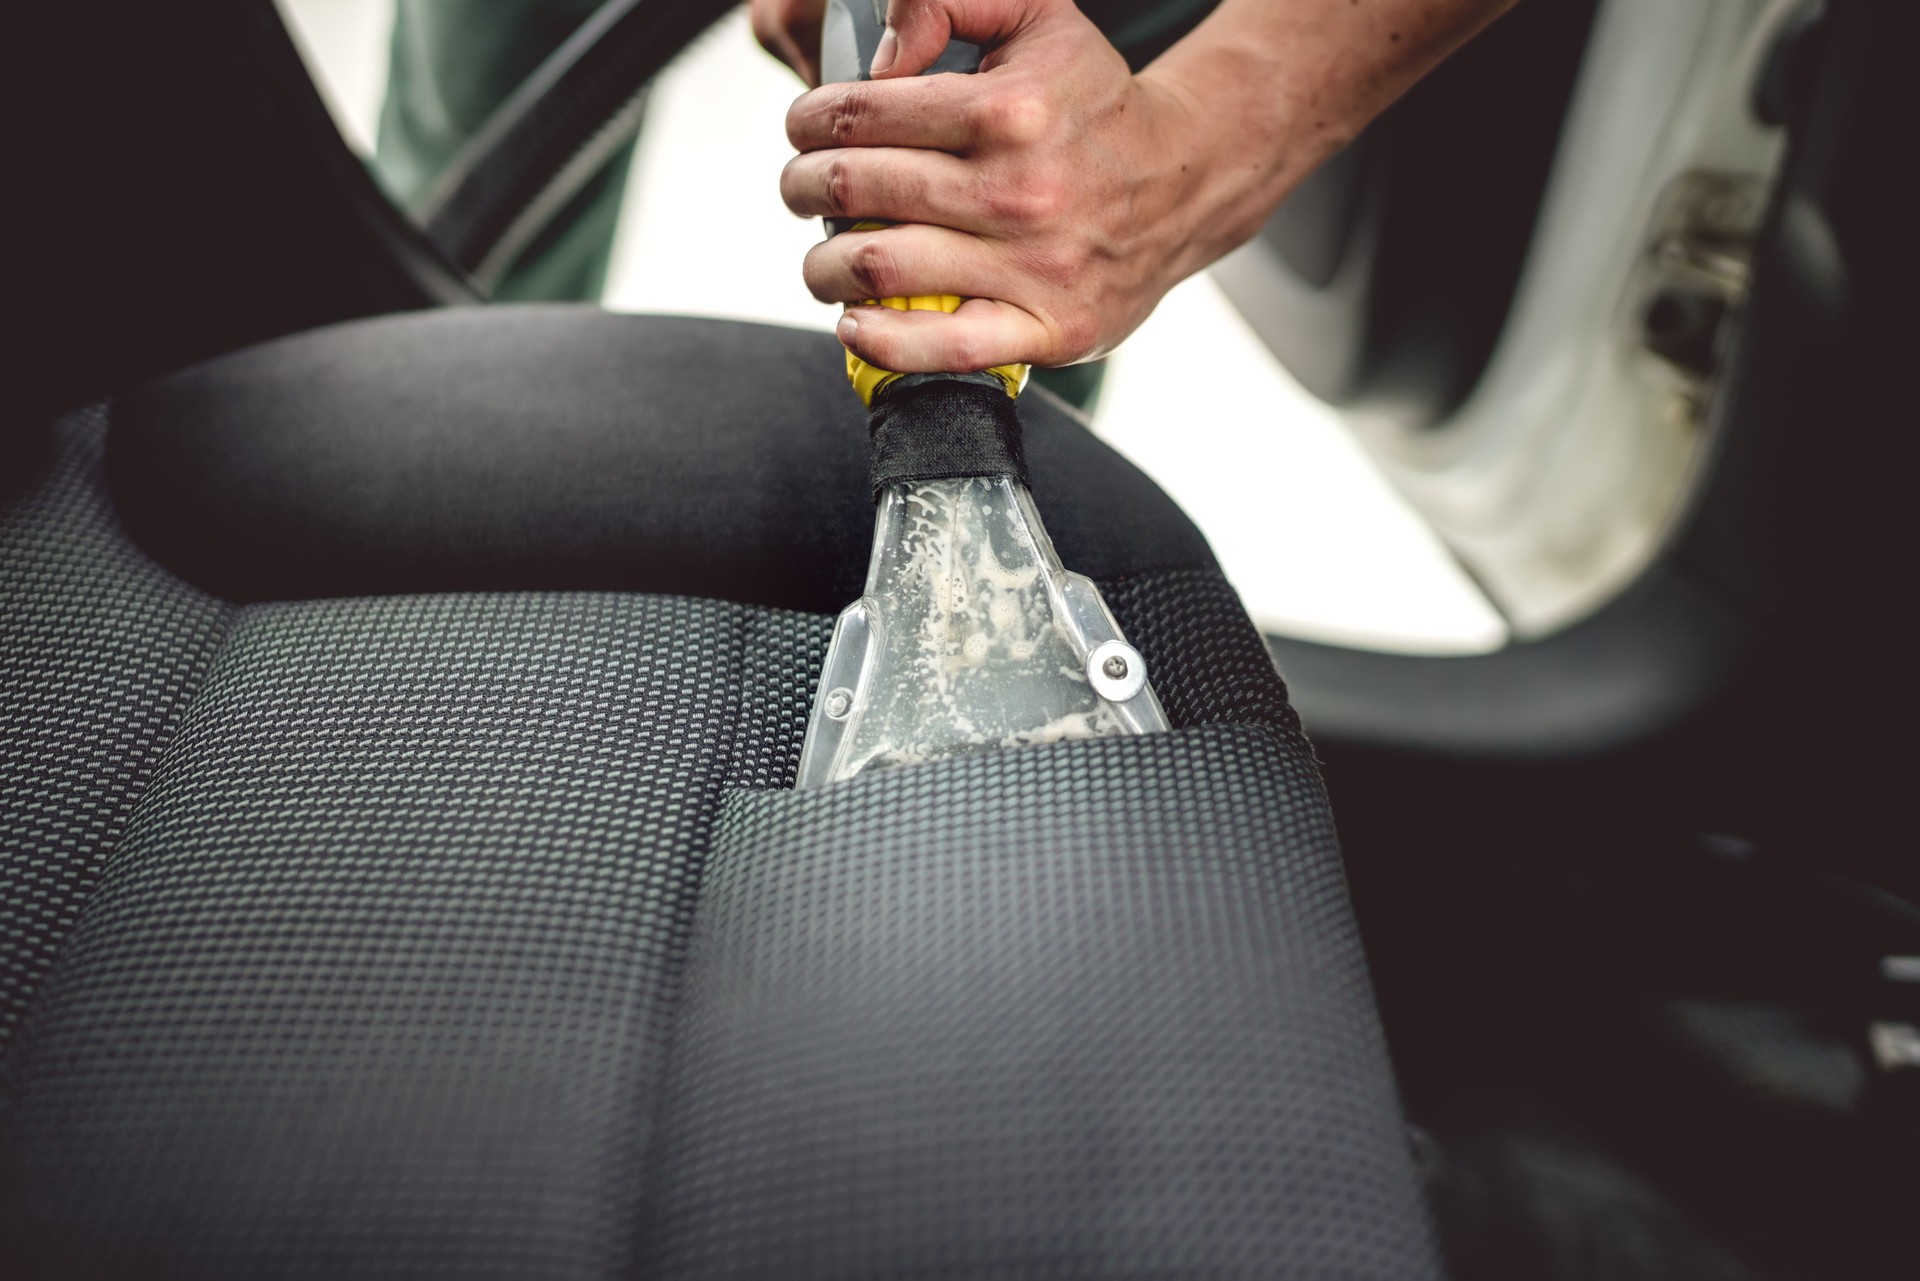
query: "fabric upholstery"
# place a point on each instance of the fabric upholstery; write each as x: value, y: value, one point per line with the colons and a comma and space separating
x: 384, y: 956
x: 553, y: 448
x: 1102, y: 1004
x: 99, y: 652
x: 470, y: 933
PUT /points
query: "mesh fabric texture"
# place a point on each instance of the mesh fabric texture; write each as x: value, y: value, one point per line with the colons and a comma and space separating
x: 378, y: 974
x: 1209, y: 665
x: 374, y: 978
x: 357, y: 932
x: 1102, y: 1003
x: 99, y: 652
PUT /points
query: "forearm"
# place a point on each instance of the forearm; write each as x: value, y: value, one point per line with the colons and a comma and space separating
x: 1266, y: 90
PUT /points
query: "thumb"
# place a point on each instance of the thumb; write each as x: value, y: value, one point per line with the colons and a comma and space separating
x: 918, y: 30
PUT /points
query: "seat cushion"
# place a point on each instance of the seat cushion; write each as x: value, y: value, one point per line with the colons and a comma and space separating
x: 384, y: 958
x: 1096, y: 1011
x: 376, y: 924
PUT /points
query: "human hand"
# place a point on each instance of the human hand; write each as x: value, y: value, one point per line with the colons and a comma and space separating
x: 1059, y: 195
x: 790, y: 31
x: 1054, y: 190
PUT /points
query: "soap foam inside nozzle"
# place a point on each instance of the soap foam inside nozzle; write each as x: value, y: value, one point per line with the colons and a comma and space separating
x: 973, y: 636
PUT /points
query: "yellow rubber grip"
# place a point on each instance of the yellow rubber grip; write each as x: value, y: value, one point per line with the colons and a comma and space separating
x: 868, y: 379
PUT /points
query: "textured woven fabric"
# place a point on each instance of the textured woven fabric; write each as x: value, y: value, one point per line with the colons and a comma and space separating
x: 376, y: 980
x: 1101, y: 1003
x: 541, y: 448
x: 350, y: 937
x: 1209, y: 664
x: 99, y: 652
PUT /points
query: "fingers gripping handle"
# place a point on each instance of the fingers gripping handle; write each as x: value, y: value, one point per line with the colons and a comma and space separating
x: 849, y: 35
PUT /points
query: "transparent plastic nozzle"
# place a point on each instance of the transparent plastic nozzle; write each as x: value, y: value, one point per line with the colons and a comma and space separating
x: 971, y: 635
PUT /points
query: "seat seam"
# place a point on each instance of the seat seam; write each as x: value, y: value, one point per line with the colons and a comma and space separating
x: 122, y: 820
x: 674, y: 977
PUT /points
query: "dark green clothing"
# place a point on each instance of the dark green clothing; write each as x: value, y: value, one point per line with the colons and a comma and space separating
x: 450, y: 65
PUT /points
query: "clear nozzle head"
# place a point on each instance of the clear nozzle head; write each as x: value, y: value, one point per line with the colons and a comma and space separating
x: 970, y: 635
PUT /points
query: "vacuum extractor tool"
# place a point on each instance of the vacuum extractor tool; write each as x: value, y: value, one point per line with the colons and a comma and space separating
x: 970, y: 634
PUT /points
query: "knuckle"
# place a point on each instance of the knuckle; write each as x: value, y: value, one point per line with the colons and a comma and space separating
x: 839, y: 186
x: 1019, y: 117
x: 875, y: 269
x: 1050, y: 200
x: 1043, y: 200
x: 1029, y: 201
x: 967, y: 351
x: 850, y: 111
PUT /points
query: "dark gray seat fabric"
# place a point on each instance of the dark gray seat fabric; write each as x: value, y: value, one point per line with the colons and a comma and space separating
x: 558, y: 447
x: 1096, y: 1011
x: 456, y: 932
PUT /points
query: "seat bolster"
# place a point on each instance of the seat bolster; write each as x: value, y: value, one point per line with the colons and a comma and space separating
x: 555, y: 448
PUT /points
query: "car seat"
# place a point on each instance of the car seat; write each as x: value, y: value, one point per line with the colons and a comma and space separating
x: 401, y: 873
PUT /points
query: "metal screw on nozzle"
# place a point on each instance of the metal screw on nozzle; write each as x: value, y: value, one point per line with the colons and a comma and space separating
x: 1116, y: 671
x: 839, y: 703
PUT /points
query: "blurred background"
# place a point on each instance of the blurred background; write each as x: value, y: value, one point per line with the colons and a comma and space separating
x: 1317, y: 542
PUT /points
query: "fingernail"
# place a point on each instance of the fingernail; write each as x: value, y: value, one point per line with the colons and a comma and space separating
x: 846, y: 329
x: 886, y: 51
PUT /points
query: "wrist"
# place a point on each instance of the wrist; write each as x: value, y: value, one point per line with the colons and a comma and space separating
x: 1237, y: 138
x: 1271, y: 88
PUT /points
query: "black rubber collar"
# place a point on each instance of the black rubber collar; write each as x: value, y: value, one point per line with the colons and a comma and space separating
x: 937, y: 428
